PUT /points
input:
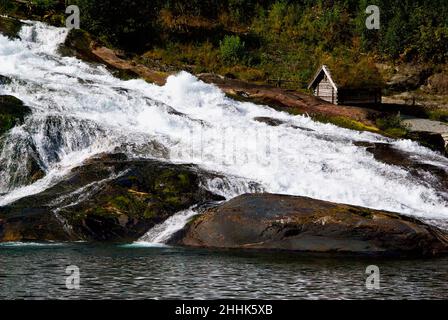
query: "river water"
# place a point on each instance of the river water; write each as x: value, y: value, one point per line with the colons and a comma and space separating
x: 151, y: 272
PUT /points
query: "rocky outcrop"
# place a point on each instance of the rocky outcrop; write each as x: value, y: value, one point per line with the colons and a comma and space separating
x: 419, y: 170
x: 81, y: 45
x: 10, y: 27
x: 432, y: 140
x: 276, y: 222
x: 4, y: 80
x: 12, y: 111
x: 109, y: 198
x: 407, y: 77
x: 437, y: 84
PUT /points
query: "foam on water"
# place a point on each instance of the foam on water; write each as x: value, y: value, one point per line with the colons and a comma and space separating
x: 30, y: 244
x: 79, y: 109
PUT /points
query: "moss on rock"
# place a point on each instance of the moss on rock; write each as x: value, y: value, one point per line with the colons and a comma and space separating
x: 144, y: 193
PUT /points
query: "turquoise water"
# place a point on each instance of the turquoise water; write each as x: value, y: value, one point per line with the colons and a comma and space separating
x: 37, y: 271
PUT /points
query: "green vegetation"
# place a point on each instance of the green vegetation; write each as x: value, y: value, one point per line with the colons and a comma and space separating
x: 271, y: 39
x: 44, y: 4
x: 389, y: 125
x: 232, y: 50
x: 392, y: 125
x: 344, y: 122
x: 7, y: 6
x: 438, y: 115
x: 10, y: 27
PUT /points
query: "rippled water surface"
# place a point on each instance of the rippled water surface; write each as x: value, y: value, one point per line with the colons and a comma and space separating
x: 133, y: 272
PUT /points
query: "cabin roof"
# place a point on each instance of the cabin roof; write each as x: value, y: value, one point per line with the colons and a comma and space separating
x: 324, y: 70
x: 355, y: 80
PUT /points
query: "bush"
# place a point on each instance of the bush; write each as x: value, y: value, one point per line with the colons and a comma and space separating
x: 392, y: 125
x: 44, y: 4
x: 232, y: 49
x: 438, y: 115
x: 7, y: 7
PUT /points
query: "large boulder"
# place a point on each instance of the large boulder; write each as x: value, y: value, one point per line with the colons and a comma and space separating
x: 109, y: 198
x: 277, y: 222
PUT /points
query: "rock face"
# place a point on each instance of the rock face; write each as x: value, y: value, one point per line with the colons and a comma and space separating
x: 276, y: 222
x: 109, y: 198
x: 438, y: 84
x: 81, y: 45
x: 408, y: 77
x: 12, y: 111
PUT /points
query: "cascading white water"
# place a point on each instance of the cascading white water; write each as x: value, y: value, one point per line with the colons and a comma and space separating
x: 163, y: 232
x: 79, y: 110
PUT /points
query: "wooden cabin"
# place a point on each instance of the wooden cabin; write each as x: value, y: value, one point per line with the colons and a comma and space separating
x: 326, y: 87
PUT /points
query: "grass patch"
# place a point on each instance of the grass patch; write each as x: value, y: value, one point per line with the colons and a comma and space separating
x: 438, y: 115
x: 344, y: 123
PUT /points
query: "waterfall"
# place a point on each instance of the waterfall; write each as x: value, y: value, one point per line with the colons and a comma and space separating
x: 163, y: 232
x: 80, y: 109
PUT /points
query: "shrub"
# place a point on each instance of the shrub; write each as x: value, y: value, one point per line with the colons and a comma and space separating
x: 232, y: 49
x: 392, y: 125
x: 44, y: 4
x: 438, y: 115
x: 7, y: 7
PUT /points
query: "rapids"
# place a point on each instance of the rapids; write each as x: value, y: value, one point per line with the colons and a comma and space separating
x: 80, y: 109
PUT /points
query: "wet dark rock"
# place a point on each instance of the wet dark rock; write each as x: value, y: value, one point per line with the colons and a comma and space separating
x: 431, y: 140
x: 386, y: 153
x: 151, y: 147
x: 109, y: 198
x: 277, y: 222
x: 277, y: 122
x: 12, y: 112
x: 10, y: 27
x: 270, y: 121
x: 302, y: 128
x: 4, y: 80
x: 78, y: 43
